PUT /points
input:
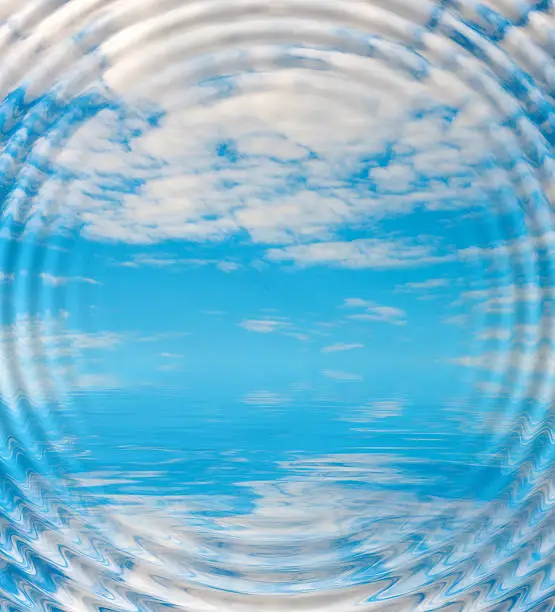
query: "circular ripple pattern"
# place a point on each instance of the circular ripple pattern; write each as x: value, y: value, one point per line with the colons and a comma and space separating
x: 297, y: 132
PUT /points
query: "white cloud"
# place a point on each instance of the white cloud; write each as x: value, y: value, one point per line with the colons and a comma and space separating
x: 340, y: 346
x: 263, y: 326
x: 377, y: 409
x: 303, y: 515
x: 376, y: 253
x: 382, y: 409
x: 96, y: 340
x: 432, y: 283
x: 383, y: 314
x: 375, y: 312
x: 228, y: 266
x: 56, y: 281
x: 342, y: 376
x: 536, y: 360
x: 495, y: 333
x: 88, y: 381
x: 527, y: 246
x: 297, y: 336
x: 502, y: 297
x: 273, y: 323
x: 171, y: 355
x: 308, y: 181
x: 161, y: 260
x: 357, y: 303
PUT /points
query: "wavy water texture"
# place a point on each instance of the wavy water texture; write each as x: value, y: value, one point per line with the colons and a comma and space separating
x: 277, y: 305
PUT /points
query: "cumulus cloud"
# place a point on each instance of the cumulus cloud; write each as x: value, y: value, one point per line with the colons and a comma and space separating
x: 156, y: 173
x: 307, y: 183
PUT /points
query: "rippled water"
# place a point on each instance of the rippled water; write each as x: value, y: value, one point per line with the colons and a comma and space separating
x: 277, y: 305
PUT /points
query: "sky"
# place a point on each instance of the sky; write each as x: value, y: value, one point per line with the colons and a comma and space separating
x: 276, y: 279
x: 362, y: 217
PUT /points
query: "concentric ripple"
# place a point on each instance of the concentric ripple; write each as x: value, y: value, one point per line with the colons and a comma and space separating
x: 278, y: 305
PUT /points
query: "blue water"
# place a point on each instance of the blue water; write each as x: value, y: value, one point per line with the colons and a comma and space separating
x: 277, y: 305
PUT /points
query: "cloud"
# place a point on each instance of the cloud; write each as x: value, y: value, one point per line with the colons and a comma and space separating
x: 375, y: 312
x: 525, y: 246
x: 96, y: 381
x: 56, y: 281
x: 96, y: 340
x: 375, y: 410
x: 432, y: 283
x: 275, y: 324
x: 333, y: 348
x: 376, y: 253
x: 171, y: 355
x: 316, y: 501
x: 161, y: 260
x: 535, y: 360
x: 297, y: 336
x: 501, y: 297
x: 263, y: 326
x: 384, y: 314
x: 495, y: 333
x: 356, y: 303
x: 382, y: 409
x: 42, y: 359
x: 152, y: 176
x: 460, y: 320
x: 342, y: 376
x: 228, y: 266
